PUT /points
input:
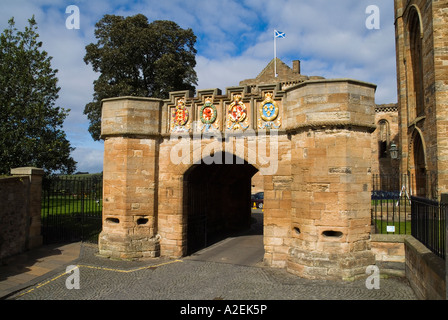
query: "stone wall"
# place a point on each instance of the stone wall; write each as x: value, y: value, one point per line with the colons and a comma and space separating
x: 389, y: 253
x: 405, y: 256
x: 423, y: 118
x: 332, y: 121
x: 130, y: 178
x: 425, y: 271
x: 314, y: 153
x: 20, y: 199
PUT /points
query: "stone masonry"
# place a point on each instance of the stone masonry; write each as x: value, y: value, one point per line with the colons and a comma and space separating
x: 311, y: 142
x: 20, y: 221
x: 421, y: 30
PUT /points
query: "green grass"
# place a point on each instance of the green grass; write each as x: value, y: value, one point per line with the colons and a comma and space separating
x: 68, y: 205
x: 71, y: 209
x: 401, y: 227
x: 403, y: 202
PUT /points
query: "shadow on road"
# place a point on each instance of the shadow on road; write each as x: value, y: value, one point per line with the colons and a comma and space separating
x: 242, y: 249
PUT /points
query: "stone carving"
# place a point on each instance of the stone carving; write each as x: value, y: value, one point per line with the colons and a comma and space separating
x: 269, y: 111
x: 208, y: 115
x: 180, y: 117
x: 237, y: 114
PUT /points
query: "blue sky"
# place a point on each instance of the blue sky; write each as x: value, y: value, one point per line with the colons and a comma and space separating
x: 234, y: 42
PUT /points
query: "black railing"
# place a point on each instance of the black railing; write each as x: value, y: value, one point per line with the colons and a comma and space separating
x: 71, y: 208
x: 401, y: 204
x: 429, y: 224
x: 390, y: 204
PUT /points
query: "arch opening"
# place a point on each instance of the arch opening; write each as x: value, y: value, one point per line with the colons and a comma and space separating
x: 383, y: 138
x: 217, y: 200
x: 419, y: 166
x: 416, y: 55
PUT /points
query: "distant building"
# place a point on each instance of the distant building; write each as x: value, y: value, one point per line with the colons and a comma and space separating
x: 385, y: 135
x: 286, y: 76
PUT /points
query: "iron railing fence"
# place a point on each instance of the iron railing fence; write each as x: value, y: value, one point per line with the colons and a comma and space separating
x: 390, y: 204
x: 71, y: 208
x: 407, y: 204
x: 429, y: 224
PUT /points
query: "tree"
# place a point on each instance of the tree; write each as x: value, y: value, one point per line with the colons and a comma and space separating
x: 30, y: 124
x: 138, y: 58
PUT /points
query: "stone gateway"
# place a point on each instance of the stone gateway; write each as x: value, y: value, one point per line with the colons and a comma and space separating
x: 178, y: 171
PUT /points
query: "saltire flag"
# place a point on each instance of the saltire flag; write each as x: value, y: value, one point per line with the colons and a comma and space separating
x: 279, y: 34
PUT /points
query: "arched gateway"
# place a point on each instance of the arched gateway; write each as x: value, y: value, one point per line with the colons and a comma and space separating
x: 170, y: 165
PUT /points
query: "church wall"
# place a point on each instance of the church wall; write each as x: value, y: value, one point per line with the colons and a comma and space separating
x: 429, y: 125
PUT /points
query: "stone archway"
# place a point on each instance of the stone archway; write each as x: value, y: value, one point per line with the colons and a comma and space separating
x: 216, y: 201
x: 311, y: 142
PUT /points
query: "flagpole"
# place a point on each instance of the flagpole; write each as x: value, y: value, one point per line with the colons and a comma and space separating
x: 277, y: 34
x: 275, y: 55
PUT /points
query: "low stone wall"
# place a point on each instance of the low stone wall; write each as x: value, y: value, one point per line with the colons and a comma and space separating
x: 20, y: 200
x: 403, y: 255
x: 13, y: 191
x: 389, y: 253
x: 424, y: 270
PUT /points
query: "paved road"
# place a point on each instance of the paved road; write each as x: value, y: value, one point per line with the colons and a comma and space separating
x: 244, y: 250
x: 194, y: 279
x: 217, y: 274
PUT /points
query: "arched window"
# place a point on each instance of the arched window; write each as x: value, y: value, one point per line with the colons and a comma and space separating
x: 383, y: 138
x: 418, y: 165
x: 416, y: 55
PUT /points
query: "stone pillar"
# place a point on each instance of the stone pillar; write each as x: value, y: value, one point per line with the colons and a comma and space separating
x: 130, y: 128
x: 34, y: 235
x: 330, y: 122
x: 296, y: 66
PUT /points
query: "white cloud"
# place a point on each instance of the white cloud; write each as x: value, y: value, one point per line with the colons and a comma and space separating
x: 227, y: 72
x: 235, y: 42
x: 331, y: 39
x: 89, y: 159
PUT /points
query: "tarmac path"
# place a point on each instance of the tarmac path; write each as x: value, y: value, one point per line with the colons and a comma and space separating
x: 230, y: 270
